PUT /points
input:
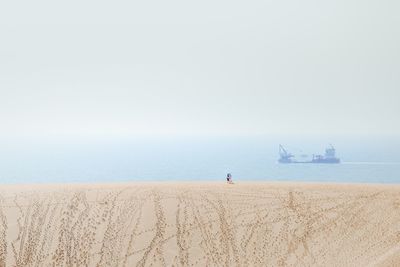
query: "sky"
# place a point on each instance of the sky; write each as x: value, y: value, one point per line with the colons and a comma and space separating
x: 120, y: 68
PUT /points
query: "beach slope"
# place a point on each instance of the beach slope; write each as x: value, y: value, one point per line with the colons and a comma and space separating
x: 200, y: 224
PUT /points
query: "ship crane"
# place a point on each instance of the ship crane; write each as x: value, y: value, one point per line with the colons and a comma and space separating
x: 286, y: 157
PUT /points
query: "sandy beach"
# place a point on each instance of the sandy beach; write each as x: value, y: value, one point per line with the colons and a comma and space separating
x: 200, y: 224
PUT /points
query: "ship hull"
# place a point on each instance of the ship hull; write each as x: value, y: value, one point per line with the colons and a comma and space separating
x: 326, y: 161
x: 316, y: 161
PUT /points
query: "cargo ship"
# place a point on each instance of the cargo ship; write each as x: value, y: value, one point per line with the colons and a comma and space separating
x: 329, y: 157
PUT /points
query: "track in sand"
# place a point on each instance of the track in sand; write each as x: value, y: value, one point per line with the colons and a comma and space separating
x: 200, y: 225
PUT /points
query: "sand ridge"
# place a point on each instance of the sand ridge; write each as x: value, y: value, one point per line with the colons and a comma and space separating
x: 200, y: 224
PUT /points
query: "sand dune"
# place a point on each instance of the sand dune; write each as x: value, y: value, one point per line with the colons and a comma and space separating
x: 200, y: 224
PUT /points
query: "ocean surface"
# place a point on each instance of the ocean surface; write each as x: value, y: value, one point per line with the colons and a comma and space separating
x: 364, y: 159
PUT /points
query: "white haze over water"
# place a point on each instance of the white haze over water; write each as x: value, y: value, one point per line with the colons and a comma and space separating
x: 122, y: 68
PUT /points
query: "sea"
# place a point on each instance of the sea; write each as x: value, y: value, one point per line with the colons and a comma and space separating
x: 364, y: 159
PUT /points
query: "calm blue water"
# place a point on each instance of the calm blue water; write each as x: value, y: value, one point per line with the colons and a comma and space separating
x: 371, y: 160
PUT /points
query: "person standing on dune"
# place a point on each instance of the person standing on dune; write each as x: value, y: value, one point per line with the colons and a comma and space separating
x: 229, y: 178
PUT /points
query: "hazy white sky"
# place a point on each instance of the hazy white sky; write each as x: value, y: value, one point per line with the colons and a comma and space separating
x: 199, y: 67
